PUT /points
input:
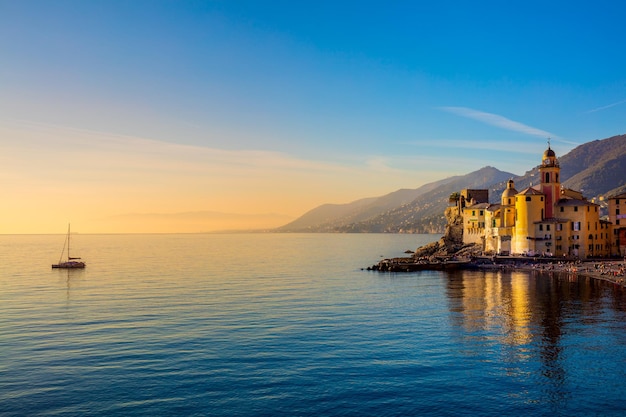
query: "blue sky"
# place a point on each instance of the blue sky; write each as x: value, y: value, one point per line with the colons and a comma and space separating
x: 394, y: 93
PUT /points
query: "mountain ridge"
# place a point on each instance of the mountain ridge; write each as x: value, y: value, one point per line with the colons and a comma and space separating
x: 597, y: 168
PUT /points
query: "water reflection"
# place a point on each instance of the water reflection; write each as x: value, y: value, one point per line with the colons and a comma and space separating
x: 69, y: 279
x: 495, y: 304
x: 534, y: 319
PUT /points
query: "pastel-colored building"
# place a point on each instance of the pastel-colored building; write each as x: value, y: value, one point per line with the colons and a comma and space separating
x: 545, y: 219
x: 617, y: 217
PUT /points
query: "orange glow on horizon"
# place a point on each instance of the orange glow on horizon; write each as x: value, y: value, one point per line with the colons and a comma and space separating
x: 116, y: 184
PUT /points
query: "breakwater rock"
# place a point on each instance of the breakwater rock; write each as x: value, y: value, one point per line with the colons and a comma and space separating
x: 447, y: 253
x: 412, y: 264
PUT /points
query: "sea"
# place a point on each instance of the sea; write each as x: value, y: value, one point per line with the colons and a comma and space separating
x: 295, y: 325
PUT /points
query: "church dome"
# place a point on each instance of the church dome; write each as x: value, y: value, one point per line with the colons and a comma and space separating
x: 549, y: 158
x: 510, y: 190
x: 509, y: 193
x: 549, y: 153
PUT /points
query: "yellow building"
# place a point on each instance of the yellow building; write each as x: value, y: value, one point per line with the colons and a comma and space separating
x: 529, y: 208
x: 474, y: 223
x: 583, y: 235
x: 493, y: 224
x: 544, y: 219
x: 617, y: 217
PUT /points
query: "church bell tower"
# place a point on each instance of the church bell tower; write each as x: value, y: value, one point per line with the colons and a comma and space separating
x: 550, y: 185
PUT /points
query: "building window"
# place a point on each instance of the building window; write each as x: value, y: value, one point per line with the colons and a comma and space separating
x: 617, y: 210
x: 527, y: 198
x: 481, y: 213
x: 547, y: 177
x: 575, y: 208
x: 541, y: 227
x: 548, y: 227
x: 562, y: 209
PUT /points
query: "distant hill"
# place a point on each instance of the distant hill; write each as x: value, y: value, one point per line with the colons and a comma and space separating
x: 404, y: 211
x: 596, y: 168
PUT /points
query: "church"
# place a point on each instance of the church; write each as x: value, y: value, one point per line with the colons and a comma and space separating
x: 544, y: 219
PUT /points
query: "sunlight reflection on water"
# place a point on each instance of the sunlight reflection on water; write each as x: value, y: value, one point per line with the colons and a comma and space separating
x: 290, y: 324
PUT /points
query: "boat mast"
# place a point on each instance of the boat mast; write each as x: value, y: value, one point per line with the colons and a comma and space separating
x: 68, y: 241
x: 65, y: 242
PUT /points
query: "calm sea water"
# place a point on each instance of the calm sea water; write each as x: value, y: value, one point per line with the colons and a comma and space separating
x: 289, y: 324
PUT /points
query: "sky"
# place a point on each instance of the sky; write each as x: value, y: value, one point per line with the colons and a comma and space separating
x: 196, y: 116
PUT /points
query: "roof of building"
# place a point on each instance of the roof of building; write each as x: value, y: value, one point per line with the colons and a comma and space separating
x: 510, y: 190
x: 549, y: 158
x: 478, y: 206
x: 552, y: 220
x: 549, y: 152
x: 574, y: 202
x: 622, y: 195
x: 530, y: 191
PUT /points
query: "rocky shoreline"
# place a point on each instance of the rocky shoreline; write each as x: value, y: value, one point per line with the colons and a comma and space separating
x: 613, y: 271
x: 448, y: 254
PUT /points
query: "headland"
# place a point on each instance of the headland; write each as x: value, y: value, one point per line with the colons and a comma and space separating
x: 545, y: 227
x: 450, y: 253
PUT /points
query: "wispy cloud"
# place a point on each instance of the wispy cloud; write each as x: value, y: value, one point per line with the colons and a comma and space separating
x: 605, y: 107
x: 498, y: 121
x: 486, y: 145
x: 147, y: 175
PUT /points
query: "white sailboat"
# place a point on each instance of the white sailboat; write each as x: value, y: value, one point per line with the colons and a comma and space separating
x: 70, y: 263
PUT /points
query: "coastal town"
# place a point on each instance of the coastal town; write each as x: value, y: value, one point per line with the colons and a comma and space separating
x: 544, y: 227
